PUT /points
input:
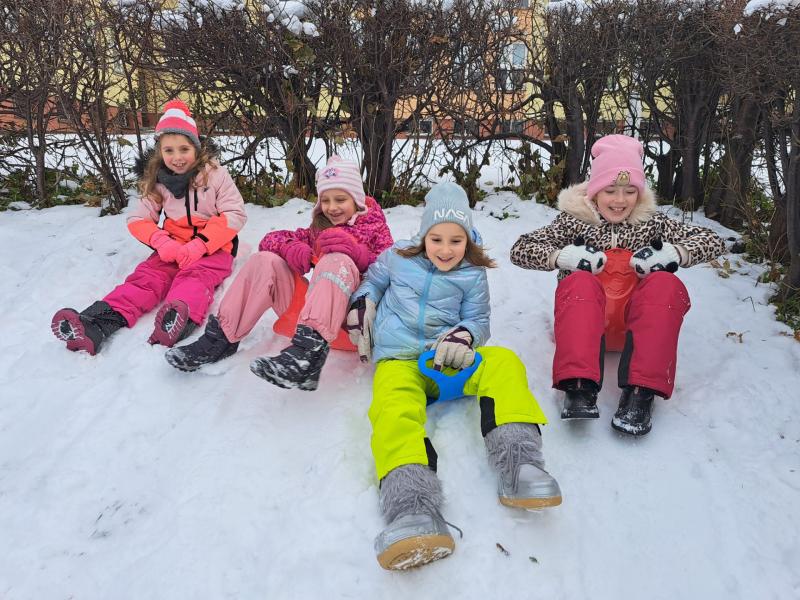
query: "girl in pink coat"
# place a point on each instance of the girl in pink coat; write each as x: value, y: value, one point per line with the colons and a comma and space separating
x: 193, y: 249
x: 347, y: 232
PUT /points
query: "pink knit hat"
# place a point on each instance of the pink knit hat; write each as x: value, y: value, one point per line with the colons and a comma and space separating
x: 178, y: 119
x: 616, y: 160
x: 340, y: 174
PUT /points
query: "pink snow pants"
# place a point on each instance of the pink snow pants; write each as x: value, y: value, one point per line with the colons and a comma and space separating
x: 653, y: 319
x: 155, y: 280
x: 266, y: 281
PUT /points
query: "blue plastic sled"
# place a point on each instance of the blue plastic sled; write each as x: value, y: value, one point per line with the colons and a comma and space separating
x: 450, y: 386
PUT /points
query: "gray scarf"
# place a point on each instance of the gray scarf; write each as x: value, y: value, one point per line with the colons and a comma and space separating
x: 176, y: 184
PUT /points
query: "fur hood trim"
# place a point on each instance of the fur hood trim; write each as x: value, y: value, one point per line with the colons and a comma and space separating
x: 573, y: 200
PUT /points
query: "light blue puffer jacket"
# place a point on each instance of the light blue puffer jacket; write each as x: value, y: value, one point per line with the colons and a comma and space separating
x: 417, y: 302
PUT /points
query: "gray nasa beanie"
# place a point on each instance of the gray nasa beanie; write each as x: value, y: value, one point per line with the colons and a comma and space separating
x: 446, y: 203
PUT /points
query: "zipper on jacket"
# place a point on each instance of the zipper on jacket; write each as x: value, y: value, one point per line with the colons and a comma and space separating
x: 187, y: 204
x: 613, y: 235
x: 423, y: 301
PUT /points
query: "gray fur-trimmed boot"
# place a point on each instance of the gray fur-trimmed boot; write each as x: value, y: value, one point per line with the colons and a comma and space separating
x: 416, y: 533
x: 515, y: 452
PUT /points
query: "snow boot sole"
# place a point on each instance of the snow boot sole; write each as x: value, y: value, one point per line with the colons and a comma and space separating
x: 580, y: 413
x: 172, y: 324
x: 631, y: 428
x: 416, y: 551
x: 68, y: 327
x: 176, y: 359
x: 270, y: 371
x: 177, y: 362
x: 530, y: 503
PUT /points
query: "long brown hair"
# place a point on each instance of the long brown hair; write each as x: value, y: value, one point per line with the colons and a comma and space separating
x: 320, y: 222
x: 474, y: 254
x: 147, y: 184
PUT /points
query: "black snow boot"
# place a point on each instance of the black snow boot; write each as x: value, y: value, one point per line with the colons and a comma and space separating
x: 208, y: 348
x: 88, y: 329
x: 633, y: 414
x: 298, y: 365
x: 581, y: 399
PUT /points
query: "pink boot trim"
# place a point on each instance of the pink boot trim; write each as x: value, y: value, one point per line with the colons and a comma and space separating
x: 68, y: 327
x: 168, y: 333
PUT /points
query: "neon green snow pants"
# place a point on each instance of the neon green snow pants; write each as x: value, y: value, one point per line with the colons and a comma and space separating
x: 399, y: 399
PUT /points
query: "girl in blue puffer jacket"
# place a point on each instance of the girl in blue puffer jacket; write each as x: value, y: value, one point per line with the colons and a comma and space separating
x: 432, y: 292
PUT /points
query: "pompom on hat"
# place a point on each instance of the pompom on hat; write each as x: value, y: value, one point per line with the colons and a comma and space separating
x: 341, y: 174
x: 178, y: 119
x: 616, y: 160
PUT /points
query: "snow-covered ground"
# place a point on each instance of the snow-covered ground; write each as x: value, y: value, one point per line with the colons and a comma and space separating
x: 121, y: 477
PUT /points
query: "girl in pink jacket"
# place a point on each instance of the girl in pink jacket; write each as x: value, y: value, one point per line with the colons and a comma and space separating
x: 347, y: 232
x: 194, y: 248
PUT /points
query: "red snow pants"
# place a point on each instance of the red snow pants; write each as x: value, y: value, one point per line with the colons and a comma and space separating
x: 154, y: 280
x: 653, y: 320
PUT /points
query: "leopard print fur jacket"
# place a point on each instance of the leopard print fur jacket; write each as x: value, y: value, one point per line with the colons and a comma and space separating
x: 579, y: 217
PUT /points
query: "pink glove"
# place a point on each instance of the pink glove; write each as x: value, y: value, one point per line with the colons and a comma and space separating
x: 166, y: 247
x: 337, y: 240
x: 191, y: 253
x: 298, y: 255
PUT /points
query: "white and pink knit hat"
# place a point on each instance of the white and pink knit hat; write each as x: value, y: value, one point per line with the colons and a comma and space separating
x: 178, y: 119
x: 340, y: 174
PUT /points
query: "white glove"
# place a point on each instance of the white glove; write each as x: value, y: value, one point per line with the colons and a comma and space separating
x: 454, y: 349
x: 359, y: 323
x: 658, y: 256
x: 580, y: 256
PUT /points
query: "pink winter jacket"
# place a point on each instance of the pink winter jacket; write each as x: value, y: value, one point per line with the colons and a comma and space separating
x: 214, y: 212
x: 369, y: 229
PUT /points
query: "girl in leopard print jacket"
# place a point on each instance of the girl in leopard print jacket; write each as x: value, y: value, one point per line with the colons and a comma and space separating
x: 580, y: 218
x: 615, y: 209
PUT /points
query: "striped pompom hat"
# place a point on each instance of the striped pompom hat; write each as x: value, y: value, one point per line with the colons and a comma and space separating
x: 178, y: 119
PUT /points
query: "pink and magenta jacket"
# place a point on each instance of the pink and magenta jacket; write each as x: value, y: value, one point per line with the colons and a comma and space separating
x: 369, y: 229
x: 213, y: 212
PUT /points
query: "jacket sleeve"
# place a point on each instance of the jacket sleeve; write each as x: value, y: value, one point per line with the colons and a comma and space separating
x: 699, y: 243
x: 539, y: 249
x: 380, y: 239
x: 372, y: 232
x: 223, y: 227
x: 143, y: 220
x: 278, y: 241
x: 376, y: 280
x: 475, y: 310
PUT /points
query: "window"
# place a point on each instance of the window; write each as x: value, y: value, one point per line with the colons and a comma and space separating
x: 518, y: 55
x: 513, y: 126
x: 425, y: 127
x: 414, y: 126
x: 510, y: 80
x: 467, y: 69
x: 512, y: 74
x: 468, y: 127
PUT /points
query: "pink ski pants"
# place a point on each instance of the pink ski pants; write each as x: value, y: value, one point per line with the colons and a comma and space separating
x: 154, y: 280
x: 653, y: 319
x: 266, y: 281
